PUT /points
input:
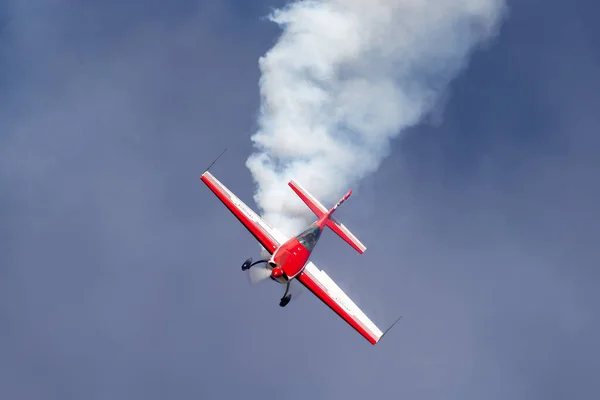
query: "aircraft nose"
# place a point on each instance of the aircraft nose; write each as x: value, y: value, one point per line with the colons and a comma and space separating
x: 277, y: 272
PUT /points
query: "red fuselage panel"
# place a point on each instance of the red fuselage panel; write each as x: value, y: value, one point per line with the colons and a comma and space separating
x: 292, y: 257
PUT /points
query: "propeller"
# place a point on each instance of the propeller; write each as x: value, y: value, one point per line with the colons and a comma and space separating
x: 259, y: 273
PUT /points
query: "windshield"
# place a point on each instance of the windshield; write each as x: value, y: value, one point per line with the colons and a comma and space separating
x: 309, y: 237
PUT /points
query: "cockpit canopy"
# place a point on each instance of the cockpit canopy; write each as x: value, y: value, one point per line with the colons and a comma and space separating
x: 309, y: 237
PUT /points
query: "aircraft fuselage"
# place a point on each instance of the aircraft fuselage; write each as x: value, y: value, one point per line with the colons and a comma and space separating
x: 293, y: 255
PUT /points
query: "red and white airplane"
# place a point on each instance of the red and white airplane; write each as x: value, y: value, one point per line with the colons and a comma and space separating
x: 290, y: 256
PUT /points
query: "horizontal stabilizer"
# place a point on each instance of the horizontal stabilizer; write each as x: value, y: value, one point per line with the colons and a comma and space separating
x: 308, y: 199
x: 320, y: 211
x: 345, y: 234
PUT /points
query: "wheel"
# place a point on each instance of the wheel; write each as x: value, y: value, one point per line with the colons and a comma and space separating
x: 285, y: 300
x: 246, y: 264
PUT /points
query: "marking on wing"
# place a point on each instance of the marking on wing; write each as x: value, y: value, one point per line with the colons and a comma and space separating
x: 249, y: 213
x: 353, y: 312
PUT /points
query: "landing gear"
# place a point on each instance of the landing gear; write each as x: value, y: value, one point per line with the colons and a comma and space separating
x: 285, y: 300
x: 248, y: 263
x: 286, y: 297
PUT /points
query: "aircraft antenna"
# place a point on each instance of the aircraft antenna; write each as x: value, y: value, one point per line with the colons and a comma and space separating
x: 215, y: 160
x: 388, y: 329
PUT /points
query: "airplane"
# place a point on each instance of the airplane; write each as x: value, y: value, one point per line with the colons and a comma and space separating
x: 289, y: 257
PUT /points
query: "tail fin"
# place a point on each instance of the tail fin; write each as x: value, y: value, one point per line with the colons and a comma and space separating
x: 333, y: 224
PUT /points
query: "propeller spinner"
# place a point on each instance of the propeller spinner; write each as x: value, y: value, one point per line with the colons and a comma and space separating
x: 260, y: 271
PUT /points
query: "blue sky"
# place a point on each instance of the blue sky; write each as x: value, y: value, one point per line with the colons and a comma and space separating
x: 119, y: 271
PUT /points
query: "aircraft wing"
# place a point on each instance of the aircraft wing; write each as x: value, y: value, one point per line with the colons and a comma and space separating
x: 311, y: 277
x: 318, y: 282
x: 268, y: 237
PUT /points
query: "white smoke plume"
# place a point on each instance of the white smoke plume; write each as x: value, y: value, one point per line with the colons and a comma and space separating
x: 344, y: 78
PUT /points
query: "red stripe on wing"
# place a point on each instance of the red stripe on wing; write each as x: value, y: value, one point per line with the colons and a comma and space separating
x: 241, y: 212
x: 314, y: 286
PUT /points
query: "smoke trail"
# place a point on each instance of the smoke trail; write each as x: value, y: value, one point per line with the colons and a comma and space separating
x: 344, y: 78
